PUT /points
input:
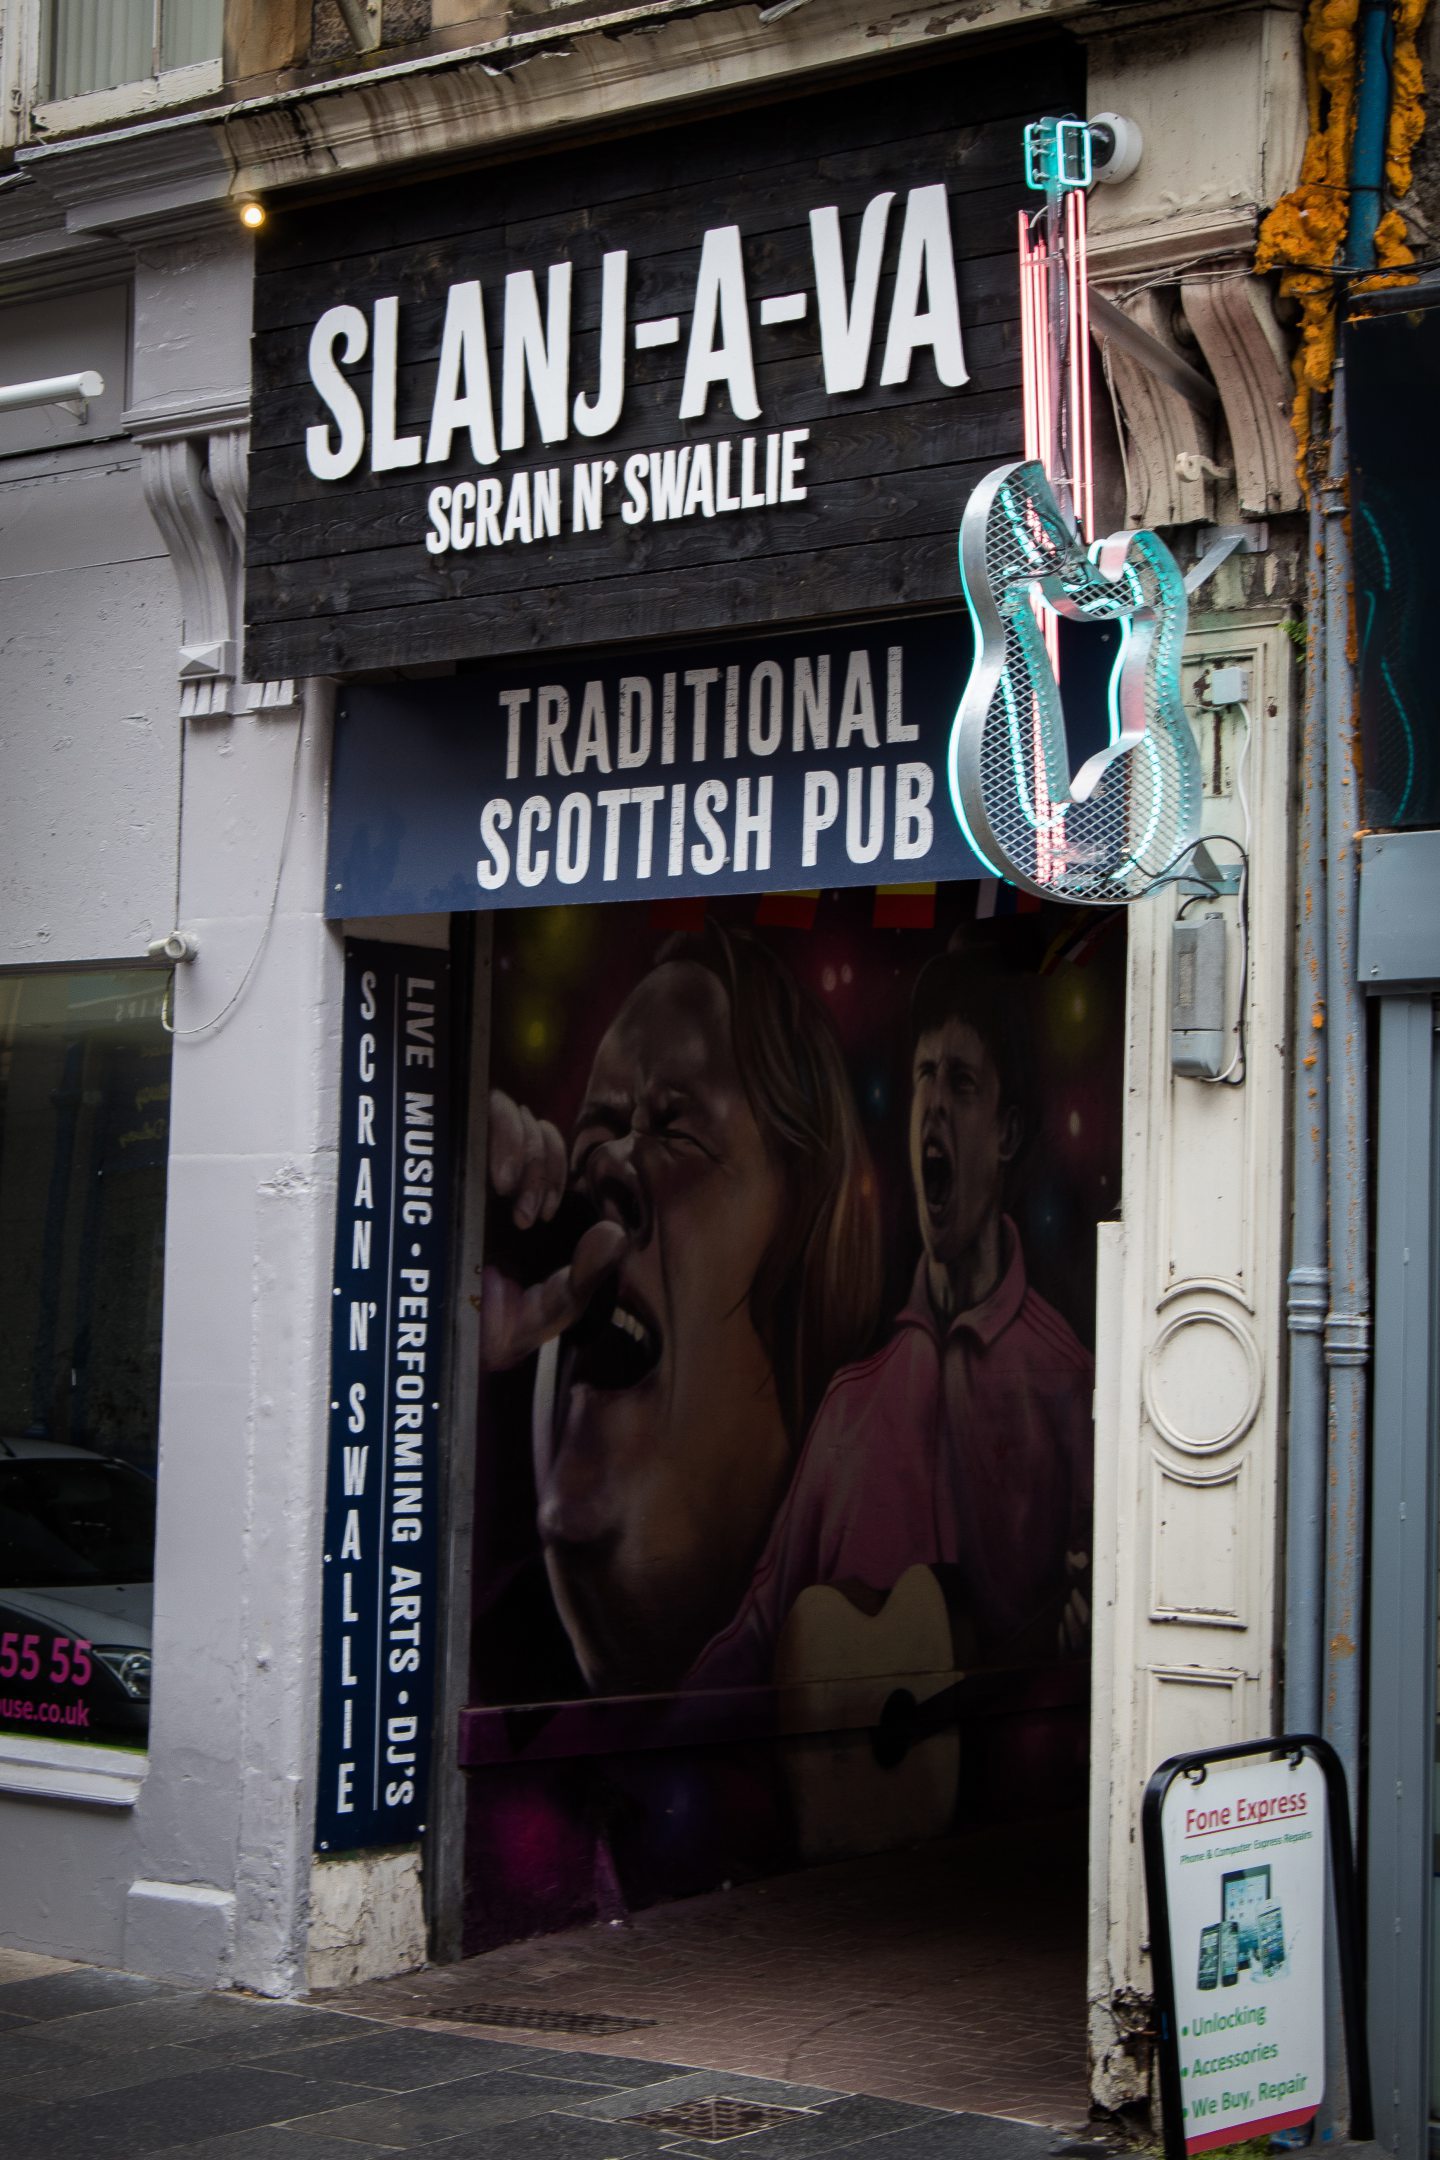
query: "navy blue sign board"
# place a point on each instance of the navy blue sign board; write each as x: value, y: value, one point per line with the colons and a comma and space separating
x: 773, y: 763
x: 378, y: 1631
x: 1240, y: 1843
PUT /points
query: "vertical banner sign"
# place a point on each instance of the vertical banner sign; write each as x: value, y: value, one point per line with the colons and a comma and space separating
x: 387, y: 1336
x: 1237, y: 1856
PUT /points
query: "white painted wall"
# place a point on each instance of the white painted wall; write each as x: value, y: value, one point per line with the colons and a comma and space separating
x: 229, y: 1803
x: 1190, y: 1367
x: 203, y: 1873
x: 205, y: 1878
x: 90, y: 781
x: 89, y: 740
x: 1220, y: 102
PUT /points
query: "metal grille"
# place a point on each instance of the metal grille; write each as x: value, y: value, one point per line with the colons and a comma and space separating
x: 530, y: 2017
x: 1106, y: 832
x: 716, y: 2118
x: 1394, y: 668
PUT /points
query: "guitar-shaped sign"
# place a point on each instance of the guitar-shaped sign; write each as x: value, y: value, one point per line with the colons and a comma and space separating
x: 1116, y: 828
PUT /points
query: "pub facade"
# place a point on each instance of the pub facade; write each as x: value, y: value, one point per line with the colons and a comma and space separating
x: 659, y: 1245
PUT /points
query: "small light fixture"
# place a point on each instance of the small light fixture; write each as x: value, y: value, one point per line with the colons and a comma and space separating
x: 252, y: 213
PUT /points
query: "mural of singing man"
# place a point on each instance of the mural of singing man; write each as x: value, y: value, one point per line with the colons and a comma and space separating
x: 965, y: 1443
x: 725, y: 1262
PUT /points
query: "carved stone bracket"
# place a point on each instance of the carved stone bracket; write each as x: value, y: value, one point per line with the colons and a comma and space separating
x: 1236, y: 330
x: 193, y: 469
x: 174, y: 476
x: 1170, y: 448
x: 1169, y: 437
x: 230, y: 477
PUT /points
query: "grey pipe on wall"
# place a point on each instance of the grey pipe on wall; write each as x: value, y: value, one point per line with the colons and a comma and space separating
x: 1347, y: 1324
x: 1308, y: 1282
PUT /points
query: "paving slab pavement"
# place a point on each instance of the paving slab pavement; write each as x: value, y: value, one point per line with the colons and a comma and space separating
x: 102, y: 2065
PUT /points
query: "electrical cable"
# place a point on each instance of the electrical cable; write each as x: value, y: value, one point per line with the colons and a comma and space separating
x: 1164, y: 876
x: 1233, y: 1074
x: 1231, y: 1077
x: 1240, y: 762
x: 1347, y: 272
x: 235, y: 996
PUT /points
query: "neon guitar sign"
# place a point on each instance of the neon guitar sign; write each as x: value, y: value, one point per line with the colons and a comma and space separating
x: 1119, y: 825
x: 1109, y: 831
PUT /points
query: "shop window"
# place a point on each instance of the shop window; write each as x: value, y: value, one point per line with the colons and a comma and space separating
x: 100, y: 45
x: 84, y: 1127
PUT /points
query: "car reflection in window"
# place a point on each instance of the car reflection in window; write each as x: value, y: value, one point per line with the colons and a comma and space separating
x: 77, y: 1547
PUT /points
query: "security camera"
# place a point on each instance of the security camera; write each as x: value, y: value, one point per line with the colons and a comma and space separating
x: 1115, y: 147
x: 178, y: 946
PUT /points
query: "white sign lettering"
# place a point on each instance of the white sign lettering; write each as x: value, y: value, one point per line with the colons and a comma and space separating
x: 528, y: 321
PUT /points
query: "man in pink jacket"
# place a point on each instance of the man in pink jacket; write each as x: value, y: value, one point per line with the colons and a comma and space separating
x: 966, y: 1441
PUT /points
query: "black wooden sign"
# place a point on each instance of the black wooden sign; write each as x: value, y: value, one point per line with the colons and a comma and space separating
x: 735, y: 373
x: 377, y: 1653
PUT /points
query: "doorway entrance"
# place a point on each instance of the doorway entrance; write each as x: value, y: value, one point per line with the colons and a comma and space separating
x: 782, y: 1540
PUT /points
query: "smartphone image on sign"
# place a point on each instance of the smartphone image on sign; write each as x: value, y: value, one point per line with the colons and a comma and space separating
x: 1209, y: 1974
x: 1242, y: 1893
x: 1272, y: 1939
x: 1229, y: 1953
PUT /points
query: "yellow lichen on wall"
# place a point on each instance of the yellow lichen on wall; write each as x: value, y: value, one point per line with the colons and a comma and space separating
x: 1407, y: 123
x: 1407, y: 93
x: 1304, y: 235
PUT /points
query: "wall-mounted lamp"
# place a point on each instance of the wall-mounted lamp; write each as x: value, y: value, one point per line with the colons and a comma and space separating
x: 71, y: 392
x: 252, y: 213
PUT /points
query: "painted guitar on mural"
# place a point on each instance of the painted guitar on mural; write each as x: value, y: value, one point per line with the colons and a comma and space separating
x: 1112, y: 829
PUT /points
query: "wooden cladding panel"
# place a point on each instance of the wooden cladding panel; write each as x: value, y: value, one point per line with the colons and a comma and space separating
x: 339, y: 576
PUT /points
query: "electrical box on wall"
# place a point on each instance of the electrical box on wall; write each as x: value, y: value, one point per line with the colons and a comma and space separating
x: 1197, y: 998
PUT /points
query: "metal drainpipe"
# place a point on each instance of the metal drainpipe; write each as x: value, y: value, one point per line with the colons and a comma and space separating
x: 1347, y: 1324
x: 1308, y: 1283
x: 1374, y: 45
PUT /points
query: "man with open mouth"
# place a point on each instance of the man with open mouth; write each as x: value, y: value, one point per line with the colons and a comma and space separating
x: 965, y: 1442
x: 726, y: 1263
